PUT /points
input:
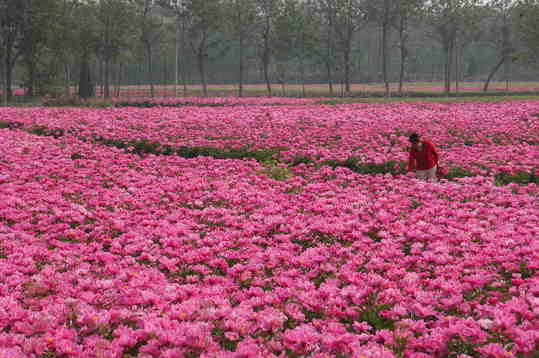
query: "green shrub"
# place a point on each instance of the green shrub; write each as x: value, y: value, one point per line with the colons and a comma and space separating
x: 458, y: 346
x: 389, y: 167
x: 10, y: 125
x: 458, y: 172
x: 521, y: 178
x: 276, y: 172
x: 301, y: 159
x: 46, y: 132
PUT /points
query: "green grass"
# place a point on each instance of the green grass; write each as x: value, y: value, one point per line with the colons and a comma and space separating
x: 488, y: 99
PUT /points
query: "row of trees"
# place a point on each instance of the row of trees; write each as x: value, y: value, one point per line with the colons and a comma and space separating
x: 50, y: 39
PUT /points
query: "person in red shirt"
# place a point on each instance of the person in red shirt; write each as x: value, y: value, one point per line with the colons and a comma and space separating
x: 423, y: 158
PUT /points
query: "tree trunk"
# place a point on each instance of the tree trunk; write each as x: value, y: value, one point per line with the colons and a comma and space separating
x: 266, y: 73
x: 330, y: 51
x: 240, y: 91
x: 176, y: 57
x: 456, y: 50
x: 201, y: 69
x: 403, y: 50
x: 4, y: 68
x: 67, y: 80
x: 448, y: 54
x: 8, y: 69
x: 302, y: 76
x: 330, y: 77
x: 401, y: 71
x: 347, y: 70
x: 9, y: 73
x: 150, y: 68
x: 99, y: 80
x: 384, y: 60
x: 30, y: 65
x: 85, y: 83
x: 385, y: 25
x: 491, y: 74
x: 184, y: 75
x: 107, y: 78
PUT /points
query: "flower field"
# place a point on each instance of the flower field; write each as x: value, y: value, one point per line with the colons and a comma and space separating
x: 256, y: 231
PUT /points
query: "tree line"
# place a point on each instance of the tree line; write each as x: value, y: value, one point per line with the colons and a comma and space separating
x: 53, y: 44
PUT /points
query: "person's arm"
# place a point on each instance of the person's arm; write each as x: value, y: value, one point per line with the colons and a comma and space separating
x: 432, y: 148
x: 411, y: 161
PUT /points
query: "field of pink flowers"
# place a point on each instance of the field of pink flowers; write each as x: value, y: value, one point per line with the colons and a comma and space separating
x: 217, y: 101
x: 106, y: 253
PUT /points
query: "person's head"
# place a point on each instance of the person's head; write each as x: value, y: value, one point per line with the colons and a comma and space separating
x: 414, y: 138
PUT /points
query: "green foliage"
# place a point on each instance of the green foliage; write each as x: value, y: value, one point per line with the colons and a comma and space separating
x: 458, y: 172
x: 528, y: 31
x: 45, y: 131
x: 521, y: 178
x: 49, y: 354
x: 311, y: 315
x: 457, y: 346
x: 301, y: 159
x: 219, y: 336
x: 525, y: 271
x: 389, y: 167
x: 133, y: 351
x: 372, y: 316
x: 77, y: 156
x: 407, y: 248
x: 10, y: 125
x: 276, y: 172
x: 373, y: 234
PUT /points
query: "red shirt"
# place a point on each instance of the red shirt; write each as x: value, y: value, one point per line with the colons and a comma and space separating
x: 424, y: 158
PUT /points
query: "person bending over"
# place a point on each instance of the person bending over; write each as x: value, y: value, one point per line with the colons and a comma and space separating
x: 423, y: 158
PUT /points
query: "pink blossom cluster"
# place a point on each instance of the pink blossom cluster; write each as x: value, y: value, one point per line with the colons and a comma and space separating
x: 107, y: 254
x: 484, y: 138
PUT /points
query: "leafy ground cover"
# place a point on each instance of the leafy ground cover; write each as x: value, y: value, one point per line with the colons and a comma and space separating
x: 111, y: 253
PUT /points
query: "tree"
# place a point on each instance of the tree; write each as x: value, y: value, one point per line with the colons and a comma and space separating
x: 448, y: 19
x: 307, y: 40
x: 267, y: 11
x: 11, y: 25
x: 349, y: 17
x: 150, y: 31
x: 87, y: 41
x: 242, y: 14
x: 406, y: 10
x: 179, y: 10
x: 204, y: 25
x: 286, y: 38
x: 384, y: 13
x: 500, y: 35
x: 115, y: 20
x: 326, y: 11
x: 39, y: 25
x: 64, y: 40
x: 528, y: 31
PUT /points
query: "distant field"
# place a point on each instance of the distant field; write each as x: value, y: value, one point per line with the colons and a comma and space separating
x: 321, y: 89
x: 411, y: 89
